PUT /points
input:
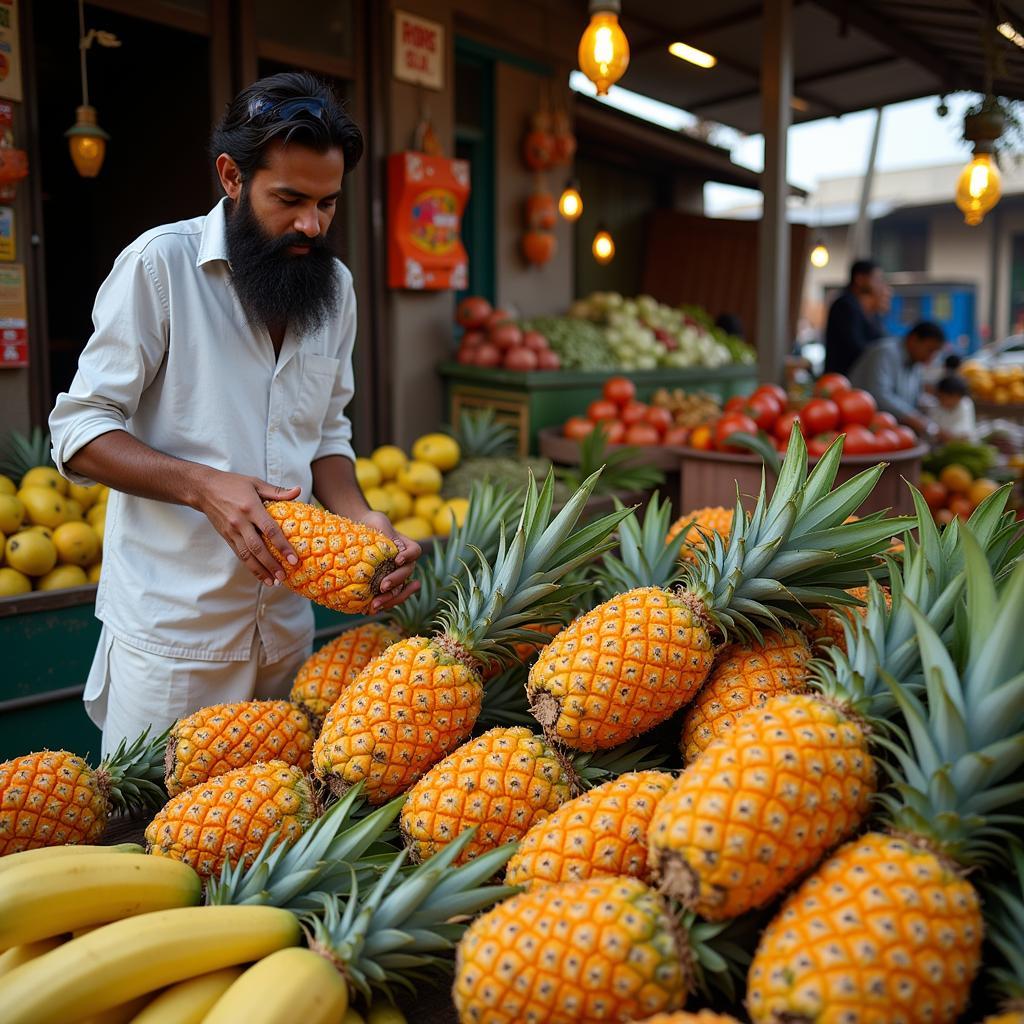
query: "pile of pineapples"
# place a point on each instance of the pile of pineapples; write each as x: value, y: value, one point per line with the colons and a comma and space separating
x: 51, y: 532
x: 836, y: 847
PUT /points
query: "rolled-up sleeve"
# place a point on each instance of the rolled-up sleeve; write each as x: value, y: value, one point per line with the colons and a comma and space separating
x: 336, y: 433
x: 120, y: 360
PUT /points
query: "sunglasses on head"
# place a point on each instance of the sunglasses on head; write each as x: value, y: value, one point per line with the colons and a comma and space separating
x: 286, y: 109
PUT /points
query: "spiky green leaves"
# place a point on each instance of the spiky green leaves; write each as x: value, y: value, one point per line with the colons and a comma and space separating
x: 134, y: 774
x: 1004, y: 918
x: 494, y: 602
x: 403, y: 929
x: 645, y: 558
x: 960, y: 759
x: 795, y: 550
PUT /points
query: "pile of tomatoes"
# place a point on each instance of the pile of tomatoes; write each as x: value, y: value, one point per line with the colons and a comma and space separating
x: 626, y: 420
x: 492, y: 338
x: 835, y: 408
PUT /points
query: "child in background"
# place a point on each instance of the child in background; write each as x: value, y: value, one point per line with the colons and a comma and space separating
x: 954, y: 413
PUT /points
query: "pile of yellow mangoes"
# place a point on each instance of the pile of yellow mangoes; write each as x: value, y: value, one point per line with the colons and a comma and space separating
x: 408, y: 490
x: 51, y: 532
x: 1003, y: 385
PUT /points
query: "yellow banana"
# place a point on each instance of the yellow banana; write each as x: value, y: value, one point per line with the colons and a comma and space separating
x: 44, y: 898
x: 290, y: 985
x: 118, y: 1014
x: 141, y: 954
x: 18, y: 955
x: 13, y: 860
x: 189, y: 1001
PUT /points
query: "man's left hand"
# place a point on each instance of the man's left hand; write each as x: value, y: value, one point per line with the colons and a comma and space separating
x: 396, y: 586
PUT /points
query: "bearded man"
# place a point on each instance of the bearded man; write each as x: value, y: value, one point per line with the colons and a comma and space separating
x: 217, y: 378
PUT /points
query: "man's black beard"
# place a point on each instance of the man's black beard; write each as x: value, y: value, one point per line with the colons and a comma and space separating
x: 277, y: 288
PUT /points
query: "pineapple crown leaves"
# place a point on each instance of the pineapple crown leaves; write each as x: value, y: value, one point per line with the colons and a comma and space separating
x: 795, y: 550
x: 23, y: 453
x: 492, y: 605
x: 1004, y: 918
x: 646, y: 559
x: 325, y: 859
x: 479, y: 434
x: 962, y: 744
x: 403, y: 929
x: 505, y: 702
x: 490, y: 505
x: 133, y: 776
x: 719, y: 952
x: 623, y: 469
x: 594, y: 767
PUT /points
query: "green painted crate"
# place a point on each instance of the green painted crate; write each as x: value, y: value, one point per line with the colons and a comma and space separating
x: 530, y: 401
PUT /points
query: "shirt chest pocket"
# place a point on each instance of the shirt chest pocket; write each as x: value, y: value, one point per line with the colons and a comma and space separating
x: 315, y: 386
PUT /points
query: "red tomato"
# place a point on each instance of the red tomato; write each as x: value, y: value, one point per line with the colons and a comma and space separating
x: 773, y: 389
x: 602, y: 409
x: 856, y: 407
x: 486, y: 354
x: 642, y: 434
x: 732, y: 423
x: 506, y: 335
x: 495, y: 317
x: 935, y: 495
x: 859, y: 440
x: 520, y: 359
x: 818, y: 416
x: 907, y: 437
x: 819, y: 444
x: 881, y: 420
x: 632, y: 412
x: 470, y: 339
x: 831, y: 384
x: 619, y: 390
x: 735, y: 404
x: 676, y: 436
x: 886, y: 440
x: 614, y: 430
x: 535, y: 340
x: 473, y: 311
x: 577, y: 427
x: 702, y: 438
x: 784, y: 425
x: 763, y: 409
x: 659, y: 418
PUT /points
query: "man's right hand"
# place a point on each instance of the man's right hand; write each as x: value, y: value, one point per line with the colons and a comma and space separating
x: 234, y: 505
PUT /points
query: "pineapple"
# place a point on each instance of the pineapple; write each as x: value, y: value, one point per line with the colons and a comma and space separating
x: 889, y: 927
x: 762, y: 804
x: 228, y: 818
x: 638, y: 658
x: 504, y: 781
x: 604, y: 949
x: 216, y: 739
x: 828, y: 626
x: 698, y: 524
x: 341, y: 562
x: 1004, y: 913
x: 328, y: 670
x: 53, y: 798
x: 745, y: 676
x: 682, y: 1017
x: 422, y: 696
x: 601, y: 832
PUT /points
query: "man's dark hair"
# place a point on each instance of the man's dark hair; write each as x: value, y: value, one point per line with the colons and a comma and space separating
x: 293, y: 106
x: 953, y: 384
x: 861, y: 268
x: 952, y: 362
x: 927, y: 331
x: 730, y: 323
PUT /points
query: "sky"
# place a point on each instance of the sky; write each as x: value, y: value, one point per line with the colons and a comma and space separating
x: 913, y: 135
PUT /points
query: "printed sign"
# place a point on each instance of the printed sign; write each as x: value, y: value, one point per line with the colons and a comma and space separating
x: 7, y: 233
x: 13, y: 317
x: 419, y: 50
x: 10, y: 54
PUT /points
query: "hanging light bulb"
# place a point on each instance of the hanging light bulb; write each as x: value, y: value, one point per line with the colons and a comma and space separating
x: 86, y: 139
x: 604, y: 49
x: 570, y: 202
x: 820, y: 255
x: 979, y: 187
x: 603, y: 246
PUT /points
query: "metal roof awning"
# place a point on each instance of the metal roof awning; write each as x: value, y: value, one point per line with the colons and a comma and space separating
x: 848, y: 54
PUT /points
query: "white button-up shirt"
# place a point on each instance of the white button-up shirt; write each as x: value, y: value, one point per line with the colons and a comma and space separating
x: 174, y: 361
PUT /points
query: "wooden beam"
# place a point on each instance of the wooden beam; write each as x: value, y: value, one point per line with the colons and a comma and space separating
x: 662, y: 35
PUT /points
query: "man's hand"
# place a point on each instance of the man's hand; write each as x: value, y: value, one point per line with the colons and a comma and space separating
x: 395, y: 587
x: 234, y: 505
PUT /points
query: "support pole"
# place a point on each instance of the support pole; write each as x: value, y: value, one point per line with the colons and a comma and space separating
x: 773, y: 341
x: 860, y: 241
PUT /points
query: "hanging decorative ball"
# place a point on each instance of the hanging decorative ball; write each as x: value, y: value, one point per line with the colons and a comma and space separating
x: 538, y: 247
x: 564, y: 148
x: 541, y: 211
x: 539, y: 143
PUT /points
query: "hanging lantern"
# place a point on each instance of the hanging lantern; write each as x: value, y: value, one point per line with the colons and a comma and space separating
x: 564, y: 142
x: 87, y: 142
x: 538, y: 247
x: 604, y: 49
x: 541, y: 210
x: 603, y: 246
x: 980, y: 184
x: 820, y: 255
x: 539, y: 143
x: 570, y: 202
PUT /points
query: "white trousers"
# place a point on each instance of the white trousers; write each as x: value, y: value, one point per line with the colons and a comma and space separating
x: 129, y: 690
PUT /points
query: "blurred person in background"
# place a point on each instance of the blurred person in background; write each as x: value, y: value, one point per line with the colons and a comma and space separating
x: 855, y: 318
x: 954, y: 411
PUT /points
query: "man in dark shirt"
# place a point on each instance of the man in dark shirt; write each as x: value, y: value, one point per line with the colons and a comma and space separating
x: 854, y: 321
